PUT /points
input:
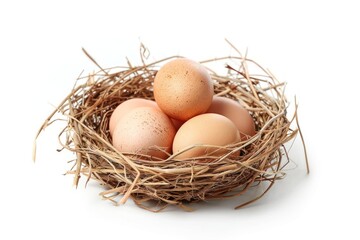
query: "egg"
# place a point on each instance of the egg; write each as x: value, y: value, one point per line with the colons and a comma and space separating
x: 183, y: 89
x: 143, y: 130
x: 236, y: 113
x: 126, y: 107
x: 210, y: 129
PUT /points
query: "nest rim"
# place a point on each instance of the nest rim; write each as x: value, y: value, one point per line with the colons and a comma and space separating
x: 145, y: 180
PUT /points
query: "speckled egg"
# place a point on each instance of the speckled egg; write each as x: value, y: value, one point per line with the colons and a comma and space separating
x: 126, y: 107
x: 183, y: 89
x: 144, y: 130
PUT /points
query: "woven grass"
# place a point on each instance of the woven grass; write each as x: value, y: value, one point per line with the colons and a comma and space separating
x: 155, y: 183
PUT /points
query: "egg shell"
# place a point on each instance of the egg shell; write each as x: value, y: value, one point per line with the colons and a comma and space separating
x: 183, y: 89
x: 142, y: 130
x: 236, y: 113
x: 209, y: 129
x: 126, y: 107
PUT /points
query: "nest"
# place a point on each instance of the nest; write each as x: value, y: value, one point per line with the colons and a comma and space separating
x: 153, y: 183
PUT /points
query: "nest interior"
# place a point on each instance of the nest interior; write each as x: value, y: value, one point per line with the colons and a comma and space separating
x: 153, y: 183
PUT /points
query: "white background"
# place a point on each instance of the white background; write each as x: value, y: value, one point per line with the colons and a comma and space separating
x: 312, y: 45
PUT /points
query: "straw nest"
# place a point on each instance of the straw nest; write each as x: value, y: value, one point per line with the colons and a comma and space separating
x: 155, y: 184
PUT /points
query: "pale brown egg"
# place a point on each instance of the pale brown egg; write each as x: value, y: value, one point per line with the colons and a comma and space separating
x: 236, y: 113
x: 143, y: 130
x: 183, y: 89
x: 126, y: 107
x: 210, y: 129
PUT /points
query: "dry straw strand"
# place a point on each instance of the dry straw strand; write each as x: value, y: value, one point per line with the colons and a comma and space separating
x: 154, y: 184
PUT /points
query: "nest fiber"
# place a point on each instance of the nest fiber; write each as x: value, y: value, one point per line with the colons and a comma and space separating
x: 153, y: 183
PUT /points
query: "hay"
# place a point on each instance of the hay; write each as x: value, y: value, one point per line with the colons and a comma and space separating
x: 156, y: 184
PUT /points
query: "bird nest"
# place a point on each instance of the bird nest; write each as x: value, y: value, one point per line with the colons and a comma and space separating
x: 155, y: 183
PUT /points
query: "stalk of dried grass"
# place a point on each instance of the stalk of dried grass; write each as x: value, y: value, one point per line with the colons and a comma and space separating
x: 153, y: 185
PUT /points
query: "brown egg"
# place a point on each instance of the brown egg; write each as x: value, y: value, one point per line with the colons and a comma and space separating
x: 209, y: 129
x: 126, y: 107
x: 236, y: 113
x: 183, y: 89
x: 142, y: 130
